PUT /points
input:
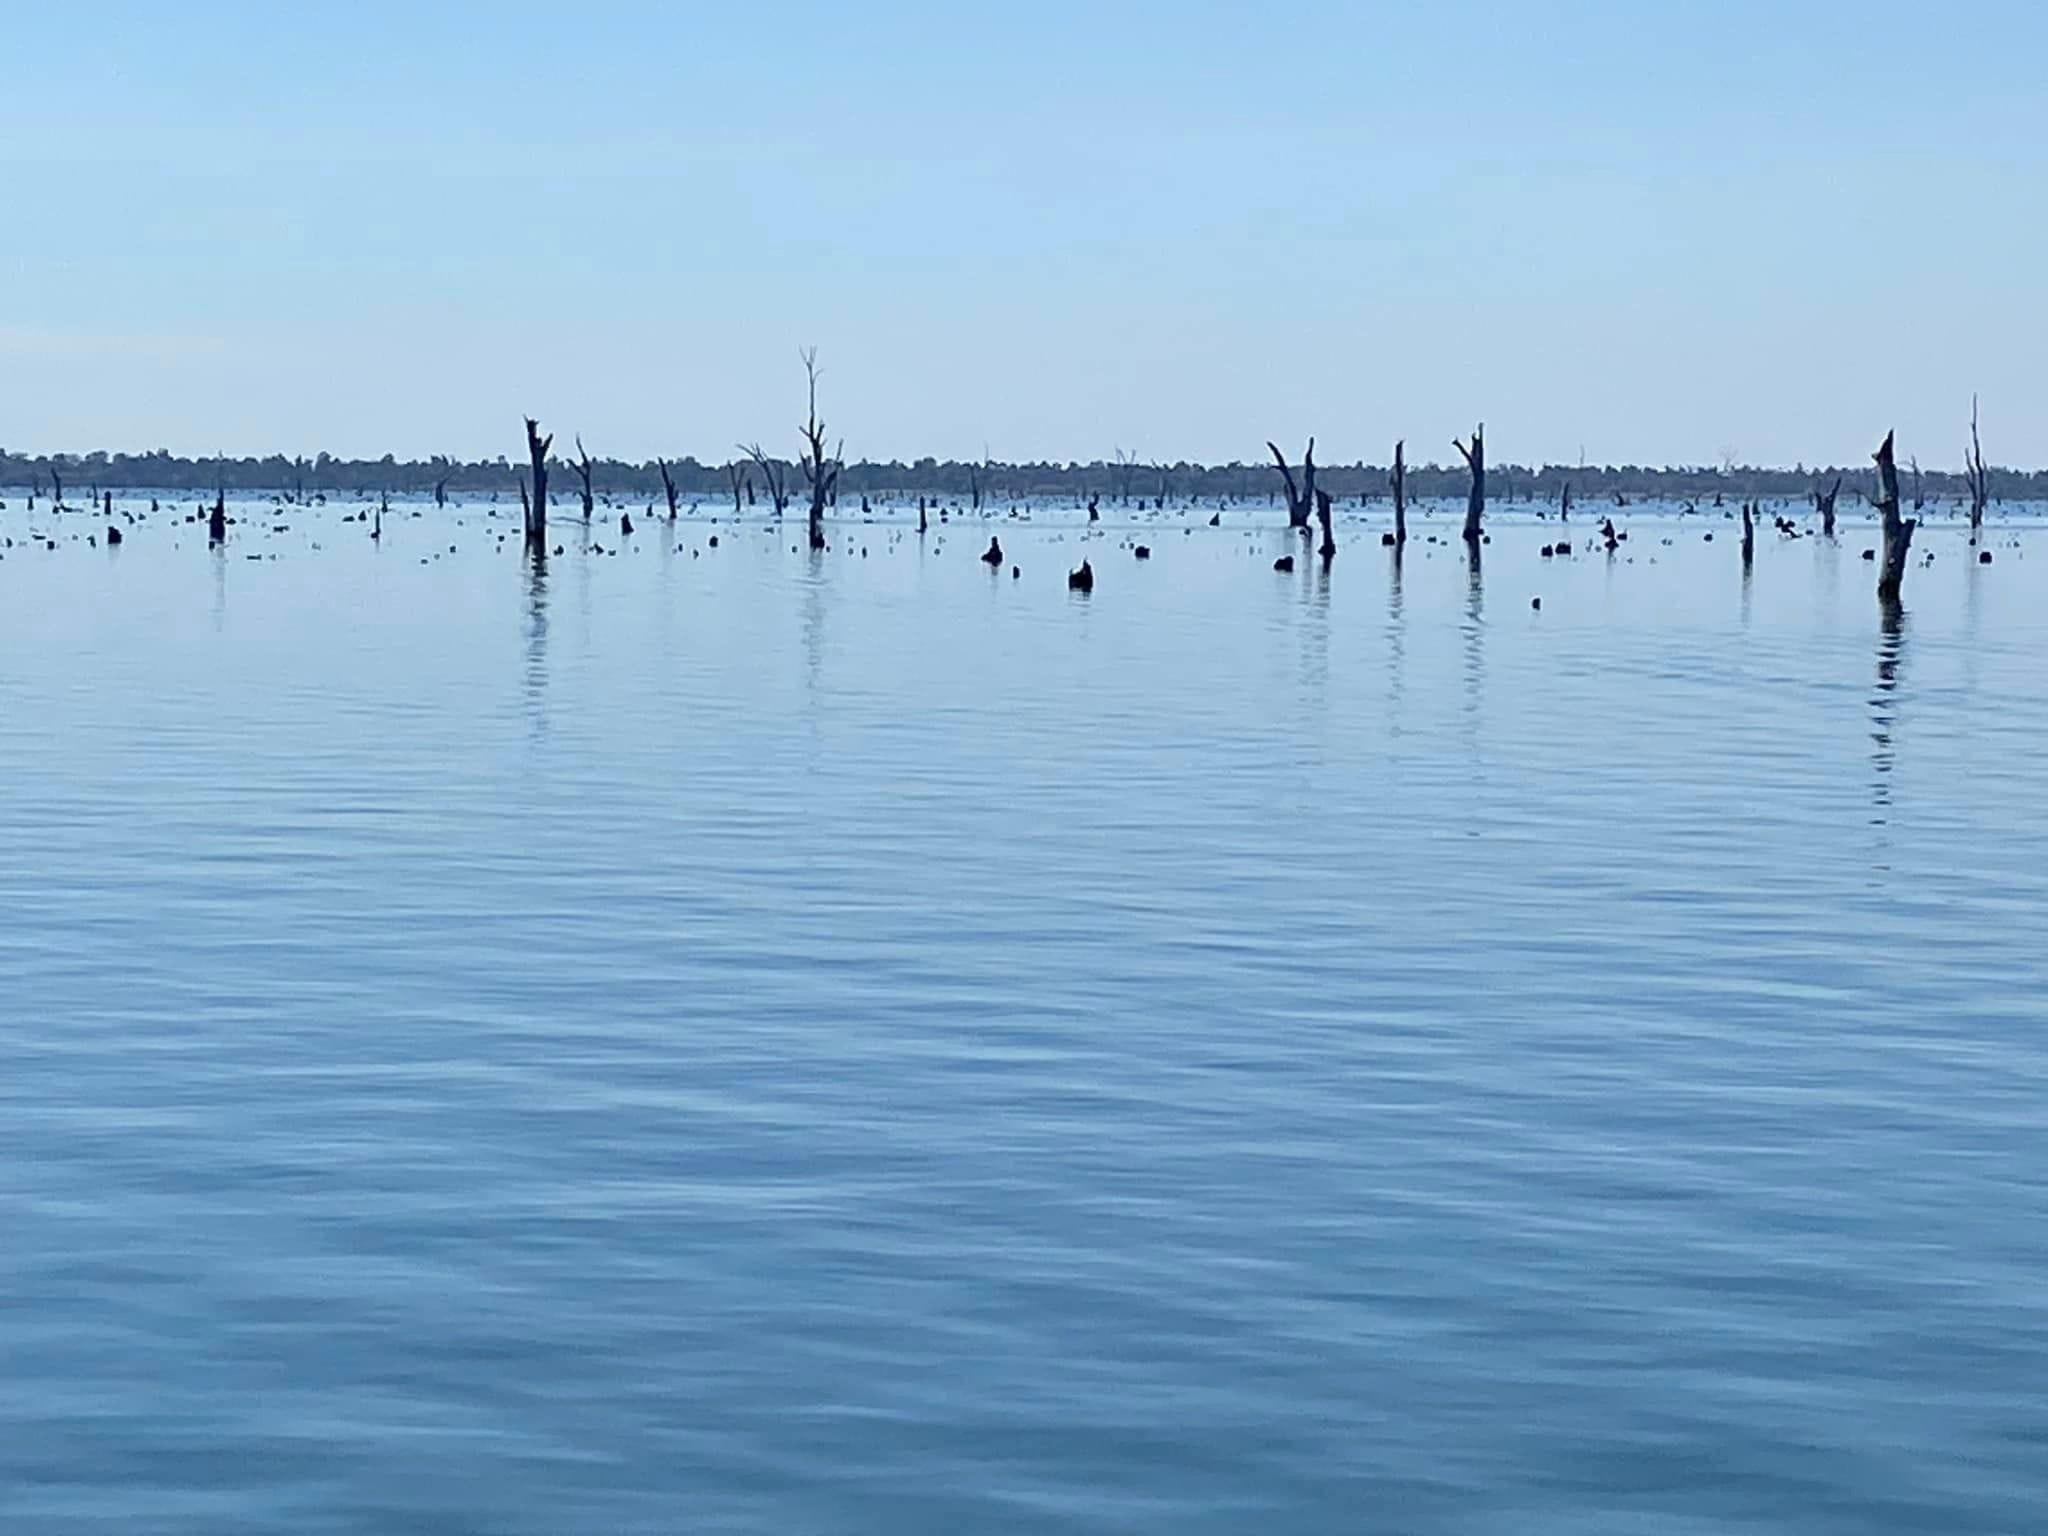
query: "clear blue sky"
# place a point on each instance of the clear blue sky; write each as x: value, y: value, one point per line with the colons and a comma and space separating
x: 1654, y: 233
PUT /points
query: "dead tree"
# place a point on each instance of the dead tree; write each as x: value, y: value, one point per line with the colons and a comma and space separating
x: 1126, y: 470
x: 1748, y: 535
x: 1398, y: 480
x: 1919, y: 501
x: 1301, y: 499
x: 441, y: 492
x: 776, y: 476
x: 735, y: 474
x: 582, y: 467
x: 1977, y: 477
x: 1564, y: 504
x: 974, y: 486
x: 57, y: 490
x: 537, y: 510
x: 668, y: 487
x: 1898, y: 531
x: 1475, y: 499
x: 821, y: 473
x: 217, y: 519
x: 1328, y: 548
x: 1824, y: 502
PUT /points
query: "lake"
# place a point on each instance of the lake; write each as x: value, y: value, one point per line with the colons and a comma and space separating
x: 721, y: 1039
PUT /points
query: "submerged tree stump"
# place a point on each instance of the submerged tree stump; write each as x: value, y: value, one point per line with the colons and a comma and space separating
x: 1398, y: 480
x: 582, y: 466
x: 537, y: 448
x: 1824, y: 502
x: 1328, y: 548
x: 1475, y: 498
x: 1898, y: 531
x: 1300, y: 498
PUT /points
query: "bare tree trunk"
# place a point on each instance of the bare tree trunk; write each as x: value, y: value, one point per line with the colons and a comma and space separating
x: 1978, y: 478
x: 974, y: 486
x: 668, y: 487
x: 441, y: 492
x: 1475, y: 500
x: 582, y: 468
x: 1825, y: 502
x: 537, y: 448
x: 383, y: 506
x: 56, y: 494
x: 1919, y: 501
x: 1748, y: 534
x: 1564, y: 504
x: 1898, y: 531
x: 217, y: 519
x: 1300, y: 499
x: 823, y: 473
x: 1399, y: 481
x: 776, y: 476
x: 1328, y: 548
x: 732, y: 473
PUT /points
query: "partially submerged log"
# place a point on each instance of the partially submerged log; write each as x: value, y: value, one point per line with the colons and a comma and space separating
x: 537, y: 448
x: 1301, y: 499
x: 1898, y: 531
x: 1475, y: 498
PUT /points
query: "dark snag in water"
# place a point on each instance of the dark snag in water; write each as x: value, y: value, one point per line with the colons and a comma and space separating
x: 1977, y: 477
x: 441, y: 492
x: 1328, y: 548
x: 1748, y: 534
x: 1399, y: 481
x: 1301, y: 498
x: 740, y: 487
x: 217, y: 519
x: 383, y: 506
x: 582, y: 467
x: 1081, y: 578
x: 1824, y: 502
x: 1898, y: 531
x: 1475, y: 499
x: 668, y: 487
x: 1564, y: 504
x: 537, y: 448
x: 772, y: 472
x: 822, y: 473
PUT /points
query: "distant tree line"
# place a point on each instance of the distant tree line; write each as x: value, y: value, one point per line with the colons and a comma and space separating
x: 1123, y: 479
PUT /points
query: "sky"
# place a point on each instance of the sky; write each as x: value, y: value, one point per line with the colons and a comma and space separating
x: 1763, y: 231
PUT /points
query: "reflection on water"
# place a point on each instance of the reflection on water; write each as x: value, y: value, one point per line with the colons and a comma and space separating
x: 1884, y: 707
x: 536, y: 628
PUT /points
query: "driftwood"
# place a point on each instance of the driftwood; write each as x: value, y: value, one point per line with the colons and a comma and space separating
x: 1898, y: 531
x: 1824, y: 503
x: 537, y: 510
x: 582, y: 467
x: 1475, y: 499
x: 822, y: 473
x: 1301, y: 499
x: 1977, y: 477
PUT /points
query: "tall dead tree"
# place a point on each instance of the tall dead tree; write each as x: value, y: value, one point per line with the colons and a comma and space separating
x: 668, y: 487
x: 1898, y: 531
x: 1399, y: 481
x: 1977, y: 476
x: 1328, y: 547
x: 582, y: 467
x: 1475, y: 499
x: 1301, y: 499
x: 821, y: 473
x: 734, y: 473
x: 537, y: 448
x: 1824, y: 503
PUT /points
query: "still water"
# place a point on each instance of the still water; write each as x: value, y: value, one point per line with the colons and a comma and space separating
x: 712, y: 1039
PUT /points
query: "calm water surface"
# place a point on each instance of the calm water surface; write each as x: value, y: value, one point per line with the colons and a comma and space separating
x: 717, y: 1040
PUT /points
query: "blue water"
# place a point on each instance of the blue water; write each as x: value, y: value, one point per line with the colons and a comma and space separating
x: 718, y: 1040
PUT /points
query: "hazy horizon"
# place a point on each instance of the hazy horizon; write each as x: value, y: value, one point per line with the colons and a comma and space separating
x: 1659, y: 239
